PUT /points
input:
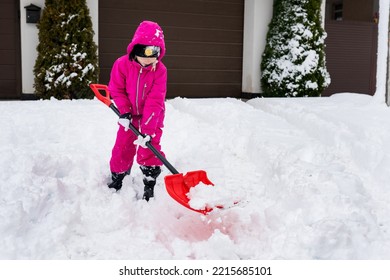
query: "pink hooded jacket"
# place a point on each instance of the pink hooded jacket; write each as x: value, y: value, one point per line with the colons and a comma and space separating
x: 141, y: 90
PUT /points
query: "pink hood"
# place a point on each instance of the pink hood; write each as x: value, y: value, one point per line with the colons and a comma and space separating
x: 148, y: 33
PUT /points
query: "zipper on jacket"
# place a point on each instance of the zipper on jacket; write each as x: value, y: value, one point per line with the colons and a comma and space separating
x: 149, y: 119
x: 136, y: 96
x: 143, y: 92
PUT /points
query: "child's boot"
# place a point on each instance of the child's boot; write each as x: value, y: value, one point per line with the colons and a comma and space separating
x: 150, y: 174
x: 117, y: 179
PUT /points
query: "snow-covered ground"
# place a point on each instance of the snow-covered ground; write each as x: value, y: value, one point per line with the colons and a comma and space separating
x: 314, y: 174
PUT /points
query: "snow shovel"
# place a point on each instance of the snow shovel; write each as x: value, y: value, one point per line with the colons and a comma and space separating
x: 177, y: 184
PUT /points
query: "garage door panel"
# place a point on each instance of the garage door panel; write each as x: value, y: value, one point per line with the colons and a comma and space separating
x: 119, y: 47
x: 105, y: 73
x: 204, y: 35
x: 189, y: 84
x: 113, y: 46
x: 108, y: 61
x: 195, y: 76
x: 5, y: 25
x: 7, y: 72
x: 7, y: 57
x: 189, y: 62
x: 203, y: 21
x: 351, y: 49
x: 184, y: 20
x: 194, y: 51
x: 204, y: 49
x: 199, y: 62
x: 10, y: 81
x: 229, y: 8
x: 121, y: 16
x: 7, y: 89
x: 7, y: 42
x: 178, y: 33
x: 6, y: 7
x: 202, y: 90
x: 115, y: 30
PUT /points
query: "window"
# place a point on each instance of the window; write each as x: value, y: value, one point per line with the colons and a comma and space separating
x: 338, y: 11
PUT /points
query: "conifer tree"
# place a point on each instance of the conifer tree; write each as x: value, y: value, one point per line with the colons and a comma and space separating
x: 293, y: 62
x: 67, y: 55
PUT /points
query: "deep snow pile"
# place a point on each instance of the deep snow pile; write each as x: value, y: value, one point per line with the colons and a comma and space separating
x: 314, y: 174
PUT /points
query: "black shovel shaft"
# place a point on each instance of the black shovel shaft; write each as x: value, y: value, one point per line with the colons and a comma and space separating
x: 148, y: 144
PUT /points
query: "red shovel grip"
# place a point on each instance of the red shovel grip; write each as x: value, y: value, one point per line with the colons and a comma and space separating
x: 96, y: 90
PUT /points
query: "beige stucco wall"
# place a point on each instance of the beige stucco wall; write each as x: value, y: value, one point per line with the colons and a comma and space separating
x: 257, y: 16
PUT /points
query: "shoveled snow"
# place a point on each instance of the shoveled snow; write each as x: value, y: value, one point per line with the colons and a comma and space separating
x: 210, y: 197
x: 314, y: 174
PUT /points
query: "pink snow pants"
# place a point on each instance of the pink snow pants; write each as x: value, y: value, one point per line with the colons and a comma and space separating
x: 125, y: 150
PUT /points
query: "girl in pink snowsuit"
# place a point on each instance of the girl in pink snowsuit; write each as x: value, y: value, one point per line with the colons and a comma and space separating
x: 138, y: 86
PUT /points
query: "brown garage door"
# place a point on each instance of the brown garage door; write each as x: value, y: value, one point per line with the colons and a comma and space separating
x: 351, y: 49
x: 203, y: 39
x: 10, y: 82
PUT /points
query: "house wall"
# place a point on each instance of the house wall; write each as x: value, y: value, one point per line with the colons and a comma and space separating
x: 29, y: 41
x: 257, y: 16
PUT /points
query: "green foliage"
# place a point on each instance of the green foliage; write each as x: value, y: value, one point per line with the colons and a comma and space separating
x: 293, y: 62
x: 67, y: 55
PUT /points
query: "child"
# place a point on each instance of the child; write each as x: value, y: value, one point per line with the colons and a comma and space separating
x: 138, y: 86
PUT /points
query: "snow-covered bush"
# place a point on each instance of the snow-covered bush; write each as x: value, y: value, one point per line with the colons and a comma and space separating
x: 67, y: 55
x: 293, y: 62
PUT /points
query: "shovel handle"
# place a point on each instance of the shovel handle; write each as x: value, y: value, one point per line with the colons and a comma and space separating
x: 106, y: 100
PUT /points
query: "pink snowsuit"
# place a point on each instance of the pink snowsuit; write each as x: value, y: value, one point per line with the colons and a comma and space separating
x: 140, y: 91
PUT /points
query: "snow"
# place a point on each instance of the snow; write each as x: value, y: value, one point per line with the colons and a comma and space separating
x: 313, y: 173
x: 206, y: 197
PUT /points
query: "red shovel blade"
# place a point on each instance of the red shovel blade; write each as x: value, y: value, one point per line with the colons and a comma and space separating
x: 178, y: 186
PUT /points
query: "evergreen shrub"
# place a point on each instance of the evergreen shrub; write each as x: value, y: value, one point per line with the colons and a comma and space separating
x: 67, y: 55
x: 293, y: 62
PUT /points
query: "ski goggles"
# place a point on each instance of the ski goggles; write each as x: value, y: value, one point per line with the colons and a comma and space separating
x: 146, y: 51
